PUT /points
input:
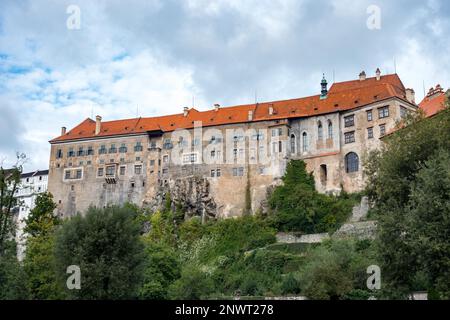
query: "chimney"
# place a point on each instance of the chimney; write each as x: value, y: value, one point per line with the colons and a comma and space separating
x: 63, y: 131
x: 185, y: 111
x: 362, y: 76
x: 433, y: 92
x: 250, y: 115
x: 271, y: 109
x: 411, y: 95
x: 378, y: 74
x: 98, y: 124
x: 324, y: 91
x: 216, y: 107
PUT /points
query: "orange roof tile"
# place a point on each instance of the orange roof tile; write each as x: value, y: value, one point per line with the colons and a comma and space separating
x: 341, y: 96
x: 434, y: 104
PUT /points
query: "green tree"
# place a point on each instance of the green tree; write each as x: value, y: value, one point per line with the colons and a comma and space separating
x: 407, y: 184
x: 9, y: 184
x: 12, y: 278
x: 106, y: 245
x: 39, y: 262
x: 41, y: 219
x: 40, y: 269
x: 161, y: 268
x: 428, y: 222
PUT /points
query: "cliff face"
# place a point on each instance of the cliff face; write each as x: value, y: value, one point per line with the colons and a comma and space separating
x: 191, y: 193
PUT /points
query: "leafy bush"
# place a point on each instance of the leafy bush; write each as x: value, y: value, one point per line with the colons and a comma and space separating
x: 297, y: 206
x: 161, y: 268
x: 334, y: 269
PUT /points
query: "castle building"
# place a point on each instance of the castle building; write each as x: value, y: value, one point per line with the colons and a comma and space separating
x: 31, y: 184
x: 222, y: 162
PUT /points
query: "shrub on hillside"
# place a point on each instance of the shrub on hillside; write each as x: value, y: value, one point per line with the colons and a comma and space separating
x: 297, y: 206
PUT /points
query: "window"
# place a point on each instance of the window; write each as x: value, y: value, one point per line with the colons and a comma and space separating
x: 123, y: 148
x: 383, y: 112
x: 349, y: 121
x: 138, y: 146
x: 102, y: 150
x: 165, y: 171
x: 79, y: 174
x: 152, y: 162
x: 369, y: 115
x: 218, y: 173
x: 122, y: 170
x: 382, y: 130
x: 238, y: 172
x: 320, y: 131
x: 81, y: 163
x: 80, y: 152
x: 235, y: 151
x: 403, y: 112
x: 370, y: 133
x: 277, y: 132
x: 330, y: 130
x: 351, y: 162
x: 213, y: 153
x: 110, y: 171
x: 349, y: 137
x: 280, y: 146
x: 293, y: 144
x: 190, y: 158
x: 90, y: 151
x: 113, y: 149
x: 323, y: 174
x: 71, y: 153
x: 89, y: 162
x: 167, y: 144
x: 166, y: 158
x: 59, y: 154
x: 213, y: 173
x: 138, y: 169
x: 304, y: 142
x: 138, y: 158
x: 66, y: 175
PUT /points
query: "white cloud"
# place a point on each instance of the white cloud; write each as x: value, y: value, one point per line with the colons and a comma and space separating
x: 159, y: 54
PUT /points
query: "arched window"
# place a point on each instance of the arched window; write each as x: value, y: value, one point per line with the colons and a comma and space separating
x: 351, y: 162
x: 293, y: 144
x: 330, y: 130
x: 305, y: 141
x: 320, y: 131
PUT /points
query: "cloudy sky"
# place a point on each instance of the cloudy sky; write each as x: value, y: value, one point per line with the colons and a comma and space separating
x: 154, y: 57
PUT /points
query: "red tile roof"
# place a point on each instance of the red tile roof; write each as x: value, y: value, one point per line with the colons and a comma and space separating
x: 341, y: 96
x: 433, y: 104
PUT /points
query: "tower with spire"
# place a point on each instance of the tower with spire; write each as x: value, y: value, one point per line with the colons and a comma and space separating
x: 324, y: 85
